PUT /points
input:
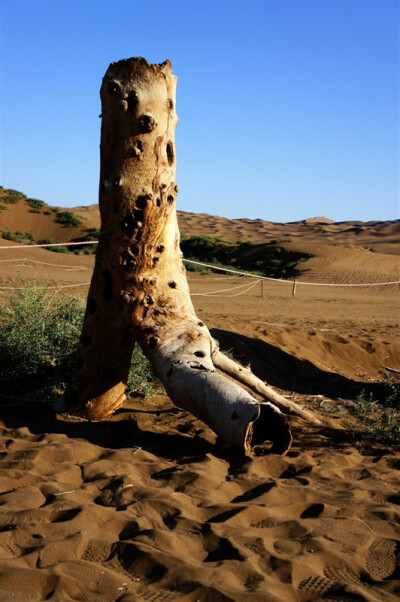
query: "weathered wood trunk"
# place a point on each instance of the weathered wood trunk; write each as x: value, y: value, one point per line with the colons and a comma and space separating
x: 139, y: 292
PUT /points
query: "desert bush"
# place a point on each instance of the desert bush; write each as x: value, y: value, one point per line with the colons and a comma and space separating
x: 93, y: 234
x: 64, y: 250
x: 141, y: 378
x: 39, y: 334
x: 46, y: 241
x: 25, y: 238
x: 12, y: 196
x: 380, y: 419
x: 68, y: 218
x: 49, y: 241
x: 190, y: 267
x: 36, y: 204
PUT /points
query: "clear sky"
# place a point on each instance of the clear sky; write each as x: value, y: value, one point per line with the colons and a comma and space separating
x: 287, y: 109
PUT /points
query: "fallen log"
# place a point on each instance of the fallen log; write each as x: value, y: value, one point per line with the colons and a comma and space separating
x: 139, y: 291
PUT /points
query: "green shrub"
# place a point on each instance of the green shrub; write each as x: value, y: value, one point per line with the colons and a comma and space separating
x: 93, y: 234
x: 49, y: 241
x: 25, y: 238
x: 36, y: 204
x: 192, y: 267
x: 141, y: 379
x: 38, y: 337
x: 45, y: 241
x: 380, y: 419
x: 39, y: 334
x: 68, y: 219
x: 59, y: 249
x: 12, y: 196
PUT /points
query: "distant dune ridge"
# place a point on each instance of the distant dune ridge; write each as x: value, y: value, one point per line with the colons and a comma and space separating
x: 147, y: 506
x: 342, y: 252
x: 382, y: 236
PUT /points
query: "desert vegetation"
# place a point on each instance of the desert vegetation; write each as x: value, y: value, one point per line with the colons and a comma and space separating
x: 68, y: 218
x: 272, y: 260
x: 10, y: 196
x: 39, y: 334
x: 36, y: 205
x: 25, y: 238
x: 379, y: 419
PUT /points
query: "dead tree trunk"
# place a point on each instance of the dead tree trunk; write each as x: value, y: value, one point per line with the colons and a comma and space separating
x: 139, y: 290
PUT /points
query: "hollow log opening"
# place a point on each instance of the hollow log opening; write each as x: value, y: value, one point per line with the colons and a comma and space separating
x: 139, y: 292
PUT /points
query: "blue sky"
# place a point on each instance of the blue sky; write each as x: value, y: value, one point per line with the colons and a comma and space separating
x: 287, y: 109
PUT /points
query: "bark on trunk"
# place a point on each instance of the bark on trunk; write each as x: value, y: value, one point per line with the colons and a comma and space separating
x: 139, y: 290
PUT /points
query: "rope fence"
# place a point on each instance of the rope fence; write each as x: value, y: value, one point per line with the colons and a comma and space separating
x: 225, y: 290
x: 235, y: 273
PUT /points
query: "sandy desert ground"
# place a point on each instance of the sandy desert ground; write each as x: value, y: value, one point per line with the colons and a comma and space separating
x: 147, y: 506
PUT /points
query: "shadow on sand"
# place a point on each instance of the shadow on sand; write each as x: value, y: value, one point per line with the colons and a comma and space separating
x: 285, y: 371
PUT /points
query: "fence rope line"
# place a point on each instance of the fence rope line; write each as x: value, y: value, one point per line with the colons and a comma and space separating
x: 60, y: 286
x: 225, y: 290
x: 50, y: 244
x: 55, y: 265
x: 212, y: 294
x: 214, y: 267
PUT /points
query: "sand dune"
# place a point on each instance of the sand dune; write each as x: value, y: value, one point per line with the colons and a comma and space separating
x: 382, y: 236
x: 146, y: 505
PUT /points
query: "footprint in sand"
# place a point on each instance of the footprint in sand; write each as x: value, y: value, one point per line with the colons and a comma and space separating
x: 8, y: 549
x: 343, y: 575
x: 150, y: 595
x: 287, y: 546
x: 312, y: 588
x: 97, y: 551
x: 252, y: 581
x: 266, y: 523
x: 381, y: 559
x: 356, y: 475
